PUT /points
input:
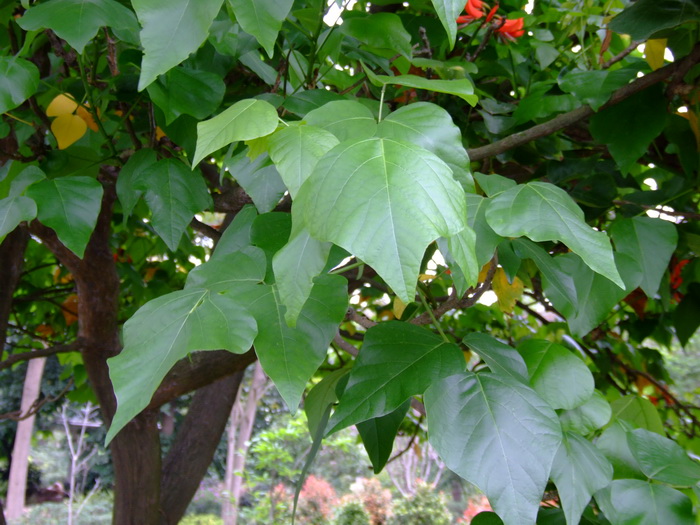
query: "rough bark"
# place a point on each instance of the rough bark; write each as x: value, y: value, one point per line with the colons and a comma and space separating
x: 195, y: 445
x: 17, y: 483
x: 11, y: 263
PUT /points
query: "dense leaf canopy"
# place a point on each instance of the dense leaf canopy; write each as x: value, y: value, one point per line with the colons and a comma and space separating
x: 481, y: 223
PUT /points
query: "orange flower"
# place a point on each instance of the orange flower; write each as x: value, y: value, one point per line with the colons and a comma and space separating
x: 475, y: 11
x: 511, y: 29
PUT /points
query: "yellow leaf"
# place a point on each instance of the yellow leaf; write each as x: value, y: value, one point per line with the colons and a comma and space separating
x: 399, y: 307
x: 692, y: 118
x: 654, y: 51
x: 507, y: 293
x: 484, y: 272
x: 425, y: 277
x: 68, y: 129
x: 61, y: 105
x: 84, y: 114
x: 160, y: 133
x: 69, y: 308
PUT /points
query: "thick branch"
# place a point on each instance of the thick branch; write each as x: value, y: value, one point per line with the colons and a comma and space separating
x: 11, y: 263
x: 562, y: 121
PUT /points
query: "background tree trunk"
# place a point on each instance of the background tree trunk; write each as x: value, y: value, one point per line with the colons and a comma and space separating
x: 17, y: 483
x: 239, y: 432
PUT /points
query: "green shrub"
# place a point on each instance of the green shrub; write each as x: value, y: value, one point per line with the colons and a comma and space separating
x: 426, y: 507
x: 352, y: 513
x: 202, y: 519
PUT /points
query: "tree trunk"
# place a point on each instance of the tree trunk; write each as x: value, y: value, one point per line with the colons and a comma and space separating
x: 17, y: 483
x: 240, y: 430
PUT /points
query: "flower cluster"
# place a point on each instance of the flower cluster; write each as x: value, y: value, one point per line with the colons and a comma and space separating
x: 507, y: 29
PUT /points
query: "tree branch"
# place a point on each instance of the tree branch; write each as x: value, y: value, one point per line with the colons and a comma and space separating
x: 42, y: 352
x: 562, y: 121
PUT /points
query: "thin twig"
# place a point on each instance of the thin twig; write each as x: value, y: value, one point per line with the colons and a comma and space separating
x: 623, y: 54
x: 361, y: 319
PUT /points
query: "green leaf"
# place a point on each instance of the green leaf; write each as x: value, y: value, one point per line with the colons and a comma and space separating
x: 246, y: 120
x: 639, y: 412
x: 461, y: 87
x: 627, y: 131
x: 229, y: 271
x: 494, y: 184
x: 380, y: 30
x: 346, y: 119
x: 397, y: 361
x: 584, y: 419
x: 486, y: 518
x: 129, y: 179
x: 662, y: 459
x: 544, y: 212
x: 16, y: 183
x: 172, y: 30
x: 290, y: 356
x: 650, y: 243
x: 558, y: 376
x: 595, y: 87
x: 646, y: 17
x: 69, y: 205
x: 262, y: 19
x: 448, y: 11
x: 486, y: 238
x: 461, y: 248
x: 77, y: 21
x: 561, y: 289
x: 500, y: 358
x: 19, y: 80
x: 613, y: 444
x: 165, y: 330
x: 378, y: 435
x: 296, y: 150
x: 322, y: 396
x: 14, y: 210
x: 579, y: 471
x: 183, y: 91
x: 495, y: 432
x: 634, y: 501
x: 238, y: 234
x: 259, y: 178
x: 431, y: 127
x: 174, y: 195
x: 595, y: 294
x: 295, y: 267
x: 686, y: 318
x: 384, y: 201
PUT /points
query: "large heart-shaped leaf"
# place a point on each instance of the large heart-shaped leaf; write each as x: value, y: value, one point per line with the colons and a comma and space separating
x: 497, y: 433
x: 165, y: 330
x: 322, y: 396
x: 228, y: 271
x: 650, y: 243
x: 448, y: 11
x: 19, y: 80
x: 77, y: 21
x: 174, y: 195
x: 646, y: 17
x: 262, y: 19
x: 14, y: 210
x: 579, y: 471
x: 129, y: 187
x: 460, y: 254
x: 246, y: 120
x: 183, y: 91
x: 259, y: 178
x: 662, y: 459
x: 500, y: 358
x: 635, y: 501
x: 172, y: 29
x: 486, y: 238
x: 561, y: 378
x: 397, y: 361
x: 432, y: 128
x: 384, y: 201
x: 290, y: 356
x: 543, y: 212
x: 346, y: 119
x: 639, y: 412
x: 380, y: 30
x: 69, y: 205
x: 296, y: 150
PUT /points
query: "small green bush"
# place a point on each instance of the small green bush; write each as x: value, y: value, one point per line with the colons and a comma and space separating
x: 202, y: 519
x: 352, y: 513
x: 426, y: 507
